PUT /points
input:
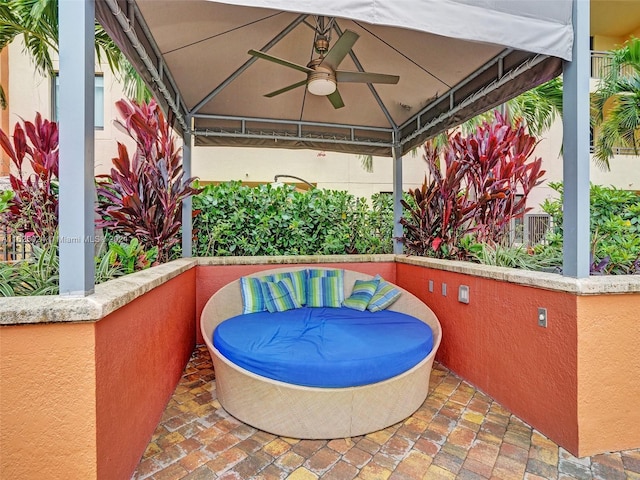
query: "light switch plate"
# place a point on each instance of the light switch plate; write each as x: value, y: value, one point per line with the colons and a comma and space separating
x: 463, y: 294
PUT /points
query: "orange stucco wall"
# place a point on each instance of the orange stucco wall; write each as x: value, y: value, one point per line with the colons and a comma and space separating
x: 81, y: 400
x: 211, y: 278
x: 141, y: 352
x: 494, y: 342
x: 608, y: 372
x: 47, y: 401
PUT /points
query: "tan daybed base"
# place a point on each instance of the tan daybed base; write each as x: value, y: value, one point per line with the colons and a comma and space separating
x: 309, y: 412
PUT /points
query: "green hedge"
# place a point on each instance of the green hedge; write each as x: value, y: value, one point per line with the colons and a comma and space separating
x: 232, y: 219
x: 615, y: 229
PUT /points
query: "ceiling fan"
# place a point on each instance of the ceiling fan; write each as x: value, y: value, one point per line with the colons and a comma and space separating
x: 323, y: 75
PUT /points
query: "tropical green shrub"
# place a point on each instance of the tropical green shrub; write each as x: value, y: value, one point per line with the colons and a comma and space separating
x: 37, y: 275
x: 142, y: 196
x: 5, y: 198
x: 515, y: 256
x: 232, y: 219
x: 472, y: 188
x: 615, y: 228
x: 122, y: 259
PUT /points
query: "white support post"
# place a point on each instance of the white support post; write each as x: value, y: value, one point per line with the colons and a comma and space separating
x: 397, y: 196
x: 76, y: 118
x: 187, y: 218
x: 576, y: 249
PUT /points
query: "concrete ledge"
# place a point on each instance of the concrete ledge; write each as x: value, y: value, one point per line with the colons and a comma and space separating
x: 595, y: 285
x: 295, y: 259
x: 107, y: 298
x: 114, y: 294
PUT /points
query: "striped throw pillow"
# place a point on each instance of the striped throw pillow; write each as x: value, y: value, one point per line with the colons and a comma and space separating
x: 363, y: 291
x: 279, y: 296
x: 324, y: 292
x: 298, y: 280
x: 252, y: 298
x: 385, y: 295
x: 335, y: 273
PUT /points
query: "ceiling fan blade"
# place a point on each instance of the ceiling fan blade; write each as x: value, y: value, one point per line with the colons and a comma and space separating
x: 336, y: 99
x: 340, y: 49
x: 279, y: 61
x: 366, y: 77
x: 286, y: 89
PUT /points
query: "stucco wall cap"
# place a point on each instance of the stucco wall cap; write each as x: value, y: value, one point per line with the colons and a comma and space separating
x: 295, y: 259
x: 107, y: 298
x: 594, y: 285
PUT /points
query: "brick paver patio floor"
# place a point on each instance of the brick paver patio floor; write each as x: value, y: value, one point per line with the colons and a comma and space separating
x: 459, y: 432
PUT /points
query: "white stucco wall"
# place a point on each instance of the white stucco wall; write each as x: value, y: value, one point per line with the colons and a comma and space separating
x: 337, y: 171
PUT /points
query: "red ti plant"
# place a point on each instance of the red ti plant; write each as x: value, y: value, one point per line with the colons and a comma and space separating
x: 33, y: 210
x: 438, y: 214
x: 142, y: 197
x: 500, y: 177
x: 472, y: 187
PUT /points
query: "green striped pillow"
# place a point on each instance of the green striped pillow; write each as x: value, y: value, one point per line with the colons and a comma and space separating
x: 298, y: 280
x: 385, y: 295
x: 363, y: 291
x: 252, y: 298
x: 324, y: 292
x: 279, y: 296
x: 337, y: 273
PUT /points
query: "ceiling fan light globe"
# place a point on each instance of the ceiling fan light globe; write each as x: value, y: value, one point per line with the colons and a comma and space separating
x: 321, y: 86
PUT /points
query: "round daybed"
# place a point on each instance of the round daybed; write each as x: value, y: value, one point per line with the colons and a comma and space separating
x: 296, y: 411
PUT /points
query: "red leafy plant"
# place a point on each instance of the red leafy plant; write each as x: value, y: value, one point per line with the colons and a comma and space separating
x: 33, y: 210
x: 475, y: 185
x: 142, y: 197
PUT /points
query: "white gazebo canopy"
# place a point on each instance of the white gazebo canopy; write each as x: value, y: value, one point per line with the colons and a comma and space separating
x: 455, y: 59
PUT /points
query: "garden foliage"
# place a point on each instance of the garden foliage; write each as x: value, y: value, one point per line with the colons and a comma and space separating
x: 142, y: 196
x: 232, y: 219
x: 5, y: 198
x: 475, y: 185
x: 38, y: 275
x: 33, y: 208
x: 615, y: 229
x: 122, y: 259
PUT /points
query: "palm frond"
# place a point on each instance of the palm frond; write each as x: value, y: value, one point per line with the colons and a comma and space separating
x: 366, y: 161
x: 615, y: 111
x: 106, y: 50
x: 538, y: 107
x: 3, y: 99
x: 134, y: 86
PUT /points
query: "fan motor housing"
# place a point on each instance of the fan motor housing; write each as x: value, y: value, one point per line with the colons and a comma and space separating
x: 321, y: 44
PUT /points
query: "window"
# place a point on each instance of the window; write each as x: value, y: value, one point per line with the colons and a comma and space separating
x: 99, y: 100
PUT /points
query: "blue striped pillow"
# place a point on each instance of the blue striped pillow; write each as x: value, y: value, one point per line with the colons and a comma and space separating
x: 279, y: 296
x: 252, y: 298
x: 298, y: 280
x: 336, y: 273
x: 363, y: 291
x: 324, y: 292
x: 385, y: 295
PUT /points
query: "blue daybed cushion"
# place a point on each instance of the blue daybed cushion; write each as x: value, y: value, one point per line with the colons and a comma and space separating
x: 324, y: 347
